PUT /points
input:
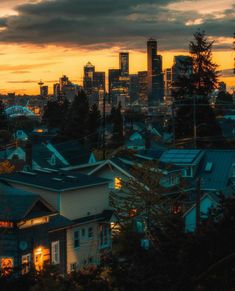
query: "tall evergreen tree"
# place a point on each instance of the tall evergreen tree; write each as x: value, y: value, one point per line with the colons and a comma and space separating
x: 117, y: 121
x: 194, y: 115
x: 55, y: 113
x: 3, y: 117
x: 77, y: 125
x: 94, y: 122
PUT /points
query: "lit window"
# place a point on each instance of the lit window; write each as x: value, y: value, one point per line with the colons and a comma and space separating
x: 90, y: 232
x: 6, y: 224
x: 117, y: 183
x: 133, y: 212
x: 26, y: 261
x: 6, y: 265
x: 35, y: 221
x: 76, y: 239
x: 55, y: 252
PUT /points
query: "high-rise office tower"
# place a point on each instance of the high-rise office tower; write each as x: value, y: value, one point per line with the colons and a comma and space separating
x: 182, y: 68
x: 99, y: 81
x: 56, y: 90
x: 134, y: 88
x: 155, y: 75
x: 143, y: 87
x: 124, y: 63
x: 88, y: 77
x: 64, y: 80
x: 44, y: 91
x: 167, y: 82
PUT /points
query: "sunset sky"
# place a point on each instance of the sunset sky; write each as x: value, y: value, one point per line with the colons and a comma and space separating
x: 45, y: 39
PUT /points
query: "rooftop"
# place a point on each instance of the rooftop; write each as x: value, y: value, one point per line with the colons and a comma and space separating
x: 53, y: 180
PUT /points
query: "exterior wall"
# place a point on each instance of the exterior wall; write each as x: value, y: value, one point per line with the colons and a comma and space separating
x: 89, y: 247
x: 76, y: 203
x: 84, y: 202
x: 13, y: 240
x: 60, y: 236
x: 49, y: 196
x: 9, y: 244
x: 190, y: 217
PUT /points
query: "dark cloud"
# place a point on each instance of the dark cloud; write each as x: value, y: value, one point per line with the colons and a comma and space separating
x: 96, y: 24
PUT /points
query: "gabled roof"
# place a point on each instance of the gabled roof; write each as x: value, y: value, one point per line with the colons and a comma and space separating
x: 53, y: 180
x: 181, y: 156
x: 58, y: 222
x: 150, y: 154
x: 42, y: 156
x: 217, y: 178
x: 116, y: 163
x: 73, y: 152
x: 16, y: 205
x: 212, y: 196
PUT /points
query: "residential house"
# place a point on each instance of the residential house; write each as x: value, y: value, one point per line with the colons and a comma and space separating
x: 81, y: 198
x: 25, y: 221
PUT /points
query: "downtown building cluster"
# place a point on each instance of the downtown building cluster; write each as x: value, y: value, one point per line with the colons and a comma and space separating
x: 145, y: 88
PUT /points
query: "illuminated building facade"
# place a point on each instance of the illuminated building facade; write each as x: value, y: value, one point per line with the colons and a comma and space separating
x: 155, y: 75
x: 143, y: 87
x: 124, y: 63
x: 93, y: 84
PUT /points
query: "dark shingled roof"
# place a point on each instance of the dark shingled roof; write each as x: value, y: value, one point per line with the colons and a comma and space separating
x: 59, y: 222
x: 217, y: 178
x: 105, y: 216
x: 17, y: 204
x: 73, y: 152
x: 53, y: 180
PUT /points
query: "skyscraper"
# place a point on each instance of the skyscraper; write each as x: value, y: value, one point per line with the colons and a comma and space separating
x: 134, y: 88
x: 167, y: 82
x: 155, y: 75
x: 143, y: 87
x: 89, y: 70
x: 124, y: 63
x: 182, y: 67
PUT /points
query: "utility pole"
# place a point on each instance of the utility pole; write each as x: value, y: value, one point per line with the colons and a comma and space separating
x: 198, y: 202
x: 104, y: 125
x: 173, y: 122
x: 194, y: 124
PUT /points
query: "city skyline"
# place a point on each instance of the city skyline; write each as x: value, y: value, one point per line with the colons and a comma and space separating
x: 30, y: 51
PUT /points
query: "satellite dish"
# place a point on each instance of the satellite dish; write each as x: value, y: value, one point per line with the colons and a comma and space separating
x: 23, y: 245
